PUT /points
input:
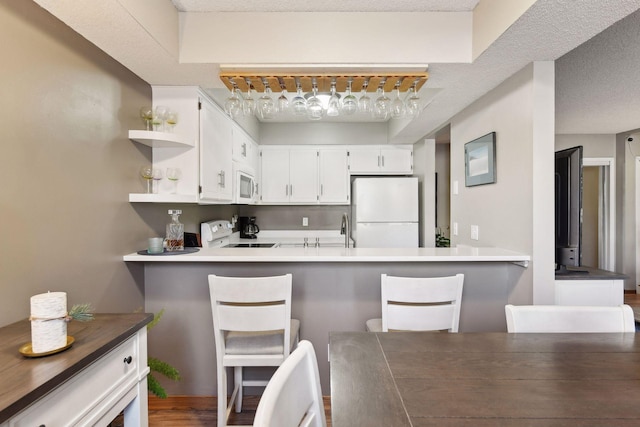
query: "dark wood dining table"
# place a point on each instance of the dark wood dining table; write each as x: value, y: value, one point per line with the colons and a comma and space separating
x: 397, y: 379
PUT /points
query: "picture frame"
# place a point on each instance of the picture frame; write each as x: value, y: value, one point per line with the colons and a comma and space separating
x: 480, y: 160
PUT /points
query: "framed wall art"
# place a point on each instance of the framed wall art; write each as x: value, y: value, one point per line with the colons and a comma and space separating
x: 480, y: 160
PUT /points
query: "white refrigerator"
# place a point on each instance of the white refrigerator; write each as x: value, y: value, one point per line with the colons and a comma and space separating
x: 385, y: 212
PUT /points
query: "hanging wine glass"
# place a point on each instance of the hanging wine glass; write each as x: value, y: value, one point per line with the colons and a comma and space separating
x: 266, y: 108
x: 314, y: 106
x: 333, y: 107
x: 350, y: 102
x: 299, y: 103
x: 397, y: 105
x: 413, y: 103
x: 283, y: 101
x: 233, y: 105
x: 364, y: 103
x: 381, y: 106
x: 249, y: 104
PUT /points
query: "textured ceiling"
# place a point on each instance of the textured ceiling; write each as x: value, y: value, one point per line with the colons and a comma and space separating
x: 597, y: 84
x: 325, y: 5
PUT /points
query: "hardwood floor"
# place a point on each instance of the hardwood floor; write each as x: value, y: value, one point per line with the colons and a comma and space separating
x: 632, y: 299
x: 189, y: 411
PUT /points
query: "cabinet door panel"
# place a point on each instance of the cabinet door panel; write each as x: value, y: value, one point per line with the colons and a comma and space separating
x: 364, y: 160
x: 240, y: 145
x: 216, y: 137
x: 303, y: 176
x: 334, y: 176
x: 274, y: 176
x: 396, y: 160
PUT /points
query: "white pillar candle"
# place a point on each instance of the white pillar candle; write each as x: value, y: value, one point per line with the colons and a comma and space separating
x: 48, y: 321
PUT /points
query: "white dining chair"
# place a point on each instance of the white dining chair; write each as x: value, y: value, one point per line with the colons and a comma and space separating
x: 293, y: 396
x: 252, y: 327
x: 419, y: 304
x: 564, y: 318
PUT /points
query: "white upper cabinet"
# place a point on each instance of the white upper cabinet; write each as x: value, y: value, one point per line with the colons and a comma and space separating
x: 303, y: 176
x: 216, y: 134
x: 288, y: 176
x: 177, y: 148
x: 200, y: 145
x: 245, y: 149
x: 274, y: 179
x: 376, y: 160
x: 334, y: 176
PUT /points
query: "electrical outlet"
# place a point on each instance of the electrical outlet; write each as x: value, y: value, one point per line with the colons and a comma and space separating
x: 455, y: 228
x: 475, y: 232
x: 305, y: 221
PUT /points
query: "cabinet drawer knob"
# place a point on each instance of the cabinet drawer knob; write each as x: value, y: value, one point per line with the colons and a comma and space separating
x: 128, y: 360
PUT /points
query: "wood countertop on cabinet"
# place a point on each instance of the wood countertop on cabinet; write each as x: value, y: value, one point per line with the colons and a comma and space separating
x: 23, y: 380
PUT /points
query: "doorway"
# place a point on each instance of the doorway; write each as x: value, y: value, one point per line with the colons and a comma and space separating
x: 598, y: 213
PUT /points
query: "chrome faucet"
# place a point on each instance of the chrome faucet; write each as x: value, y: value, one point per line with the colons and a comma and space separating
x: 344, y: 229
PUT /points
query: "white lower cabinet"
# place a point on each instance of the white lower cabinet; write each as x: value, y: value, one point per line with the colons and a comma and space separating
x: 374, y: 160
x: 98, y: 393
x: 609, y: 292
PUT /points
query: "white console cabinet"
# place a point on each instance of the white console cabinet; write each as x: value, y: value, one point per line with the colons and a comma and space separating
x: 102, y: 374
x: 592, y: 287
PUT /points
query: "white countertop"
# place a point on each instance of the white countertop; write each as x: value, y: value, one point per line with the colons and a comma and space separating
x: 337, y: 254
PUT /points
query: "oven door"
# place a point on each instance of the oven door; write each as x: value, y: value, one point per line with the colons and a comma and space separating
x: 244, y: 188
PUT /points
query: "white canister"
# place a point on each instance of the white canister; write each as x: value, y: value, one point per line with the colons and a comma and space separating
x: 48, y: 321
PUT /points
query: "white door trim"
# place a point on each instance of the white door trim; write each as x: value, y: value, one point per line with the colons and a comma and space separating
x: 607, y: 199
x: 637, y: 230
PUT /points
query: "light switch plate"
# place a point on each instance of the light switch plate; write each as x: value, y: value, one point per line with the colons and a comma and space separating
x: 475, y: 232
x: 305, y: 221
x: 455, y: 228
x: 455, y: 187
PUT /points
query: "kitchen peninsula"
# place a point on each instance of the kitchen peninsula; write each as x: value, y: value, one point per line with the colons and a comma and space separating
x: 334, y: 289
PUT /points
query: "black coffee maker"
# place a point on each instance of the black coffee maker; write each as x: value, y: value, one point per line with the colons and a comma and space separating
x: 248, y: 227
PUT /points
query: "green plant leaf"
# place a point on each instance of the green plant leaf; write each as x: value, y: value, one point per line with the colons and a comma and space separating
x: 156, y: 319
x: 163, y: 368
x: 81, y: 312
x: 154, y: 387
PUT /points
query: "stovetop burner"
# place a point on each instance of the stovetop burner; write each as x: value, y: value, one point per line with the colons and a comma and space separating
x: 251, y: 245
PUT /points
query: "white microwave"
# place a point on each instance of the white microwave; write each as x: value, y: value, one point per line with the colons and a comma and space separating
x: 244, y: 188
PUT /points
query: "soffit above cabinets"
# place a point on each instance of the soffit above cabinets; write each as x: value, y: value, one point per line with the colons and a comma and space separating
x: 289, y: 81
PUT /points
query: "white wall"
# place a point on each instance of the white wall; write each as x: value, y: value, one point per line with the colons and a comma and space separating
x: 307, y: 38
x: 323, y: 133
x: 516, y: 212
x: 598, y: 145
